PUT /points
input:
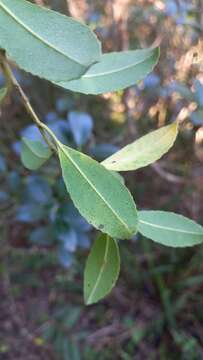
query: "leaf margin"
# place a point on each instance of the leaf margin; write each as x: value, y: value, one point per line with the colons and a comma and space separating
x: 112, y: 162
x: 169, y: 215
x: 90, y: 298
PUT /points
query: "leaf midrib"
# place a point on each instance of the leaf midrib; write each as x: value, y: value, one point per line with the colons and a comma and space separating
x: 169, y: 228
x: 89, y: 300
x: 94, y: 188
x: 88, y: 76
x: 9, y: 12
x: 34, y: 152
x: 136, y: 158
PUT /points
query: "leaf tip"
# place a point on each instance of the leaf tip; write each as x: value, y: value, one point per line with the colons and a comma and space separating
x: 88, y: 302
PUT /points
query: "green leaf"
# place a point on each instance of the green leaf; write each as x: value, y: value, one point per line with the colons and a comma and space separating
x: 34, y: 154
x: 3, y: 92
x: 118, y: 176
x: 115, y: 71
x: 46, y: 43
x: 169, y: 229
x: 102, y: 269
x: 99, y: 196
x: 144, y: 151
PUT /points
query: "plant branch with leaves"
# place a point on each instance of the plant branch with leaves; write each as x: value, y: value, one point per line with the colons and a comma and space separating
x: 96, y: 189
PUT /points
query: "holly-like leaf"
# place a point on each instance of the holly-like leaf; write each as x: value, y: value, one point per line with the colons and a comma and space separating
x: 3, y: 92
x: 34, y: 154
x: 37, y: 190
x: 115, y: 71
x: 30, y: 213
x: 94, y: 191
x: 3, y: 165
x: 68, y: 238
x: 102, y: 269
x: 143, y: 151
x: 169, y: 229
x: 197, y: 117
x: 199, y: 92
x: 81, y: 125
x: 101, y: 151
x: 42, y: 236
x: 46, y: 43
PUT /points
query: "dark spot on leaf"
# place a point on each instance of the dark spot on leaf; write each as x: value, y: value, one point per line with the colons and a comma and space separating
x: 113, y: 162
x: 101, y: 226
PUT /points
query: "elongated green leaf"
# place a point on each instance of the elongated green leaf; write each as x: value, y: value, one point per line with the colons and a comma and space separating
x: 34, y: 154
x: 46, y: 43
x: 99, y: 196
x: 169, y: 229
x: 115, y: 71
x: 144, y: 151
x: 3, y: 92
x: 102, y: 269
x: 118, y: 176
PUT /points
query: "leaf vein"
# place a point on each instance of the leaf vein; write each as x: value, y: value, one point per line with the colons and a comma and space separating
x: 88, y: 76
x: 36, y: 35
x: 169, y: 228
x: 95, y: 189
x: 101, y: 271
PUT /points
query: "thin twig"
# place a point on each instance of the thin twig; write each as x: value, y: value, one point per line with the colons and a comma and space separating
x: 11, y: 79
x: 166, y: 175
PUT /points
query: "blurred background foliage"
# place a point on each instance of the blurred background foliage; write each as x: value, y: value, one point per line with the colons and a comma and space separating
x: 156, y: 310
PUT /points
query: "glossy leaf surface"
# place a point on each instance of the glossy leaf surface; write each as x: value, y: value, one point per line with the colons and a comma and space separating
x: 115, y: 71
x: 102, y: 269
x: 169, y: 229
x: 46, y: 43
x: 143, y: 151
x: 94, y: 191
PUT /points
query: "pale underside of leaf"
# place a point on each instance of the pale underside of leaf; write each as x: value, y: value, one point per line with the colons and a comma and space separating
x: 170, y: 229
x: 34, y: 154
x: 42, y: 41
x: 143, y: 151
x: 94, y: 192
x: 115, y: 71
x: 37, y: 148
x: 102, y: 269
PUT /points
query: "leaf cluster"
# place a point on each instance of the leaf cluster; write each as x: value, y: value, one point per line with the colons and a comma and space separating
x: 95, y: 188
